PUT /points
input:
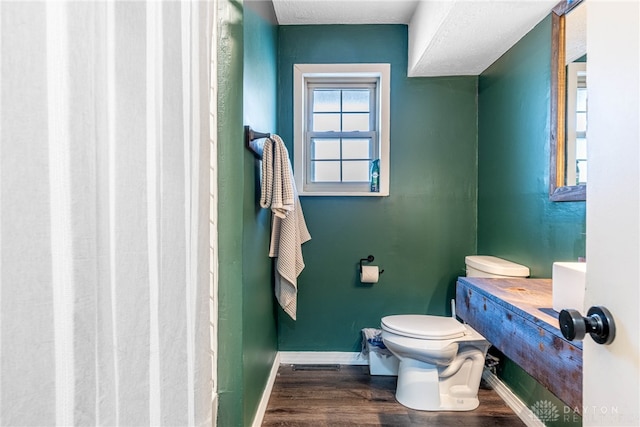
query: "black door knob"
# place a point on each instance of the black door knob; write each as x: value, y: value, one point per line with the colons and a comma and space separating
x: 598, y: 323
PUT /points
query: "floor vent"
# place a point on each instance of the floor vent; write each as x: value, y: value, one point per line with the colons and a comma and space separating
x: 316, y: 367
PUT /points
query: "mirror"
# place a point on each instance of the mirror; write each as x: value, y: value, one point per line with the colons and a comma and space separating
x: 568, y: 165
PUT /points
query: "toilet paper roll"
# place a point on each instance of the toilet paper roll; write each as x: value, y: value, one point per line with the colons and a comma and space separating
x: 369, y: 274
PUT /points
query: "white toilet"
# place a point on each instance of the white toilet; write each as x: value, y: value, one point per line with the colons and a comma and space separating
x: 441, y: 359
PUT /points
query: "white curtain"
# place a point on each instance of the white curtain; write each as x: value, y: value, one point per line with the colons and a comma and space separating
x: 104, y: 203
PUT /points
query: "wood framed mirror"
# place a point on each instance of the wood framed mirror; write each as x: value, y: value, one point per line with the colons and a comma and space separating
x: 560, y: 190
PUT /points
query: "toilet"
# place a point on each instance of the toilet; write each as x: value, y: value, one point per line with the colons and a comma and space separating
x: 442, y: 359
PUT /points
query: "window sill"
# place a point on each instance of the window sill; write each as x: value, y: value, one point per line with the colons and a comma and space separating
x: 344, y: 193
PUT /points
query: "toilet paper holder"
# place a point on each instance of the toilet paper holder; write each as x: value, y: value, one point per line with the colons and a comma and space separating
x: 370, y: 258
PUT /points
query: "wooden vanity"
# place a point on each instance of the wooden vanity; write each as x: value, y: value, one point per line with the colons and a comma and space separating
x: 515, y: 315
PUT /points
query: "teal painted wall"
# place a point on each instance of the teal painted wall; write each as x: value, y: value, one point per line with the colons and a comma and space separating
x: 231, y: 159
x: 421, y: 233
x: 247, y: 343
x: 516, y: 220
x: 260, y: 343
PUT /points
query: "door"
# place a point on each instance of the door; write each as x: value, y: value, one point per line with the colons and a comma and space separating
x: 612, y: 372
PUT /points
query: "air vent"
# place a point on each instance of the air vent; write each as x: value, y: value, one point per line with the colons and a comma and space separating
x: 316, y: 367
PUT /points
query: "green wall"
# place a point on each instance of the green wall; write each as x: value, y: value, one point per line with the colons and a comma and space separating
x: 247, y: 343
x: 421, y: 233
x: 260, y: 80
x: 230, y: 213
x: 516, y: 220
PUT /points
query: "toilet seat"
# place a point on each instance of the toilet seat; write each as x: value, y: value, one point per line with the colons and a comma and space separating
x: 423, y: 327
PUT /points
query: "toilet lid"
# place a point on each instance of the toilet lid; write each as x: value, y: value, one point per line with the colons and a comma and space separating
x: 423, y: 326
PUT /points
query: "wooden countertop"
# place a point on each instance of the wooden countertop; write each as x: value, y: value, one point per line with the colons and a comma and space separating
x: 515, y: 315
x: 530, y: 298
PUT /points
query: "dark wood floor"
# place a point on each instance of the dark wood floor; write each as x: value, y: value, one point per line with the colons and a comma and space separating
x: 351, y: 397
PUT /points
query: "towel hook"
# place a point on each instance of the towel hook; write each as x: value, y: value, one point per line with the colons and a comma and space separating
x: 251, y: 138
x: 370, y: 258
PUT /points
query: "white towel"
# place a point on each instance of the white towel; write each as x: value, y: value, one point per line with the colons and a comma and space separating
x: 289, y: 230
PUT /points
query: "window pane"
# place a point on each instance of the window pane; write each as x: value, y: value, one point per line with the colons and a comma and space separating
x: 581, y: 100
x: 355, y: 100
x: 581, y: 122
x: 326, y: 122
x: 581, y: 148
x: 326, y: 101
x: 582, y: 172
x: 357, y: 171
x: 354, y: 122
x: 356, y: 149
x: 325, y: 171
x: 325, y: 149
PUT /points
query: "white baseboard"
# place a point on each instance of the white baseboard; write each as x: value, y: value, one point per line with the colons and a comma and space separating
x: 512, y: 401
x: 264, y: 400
x: 323, y: 357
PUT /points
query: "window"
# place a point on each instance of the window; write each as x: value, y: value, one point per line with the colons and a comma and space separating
x: 341, y: 127
x: 577, y: 123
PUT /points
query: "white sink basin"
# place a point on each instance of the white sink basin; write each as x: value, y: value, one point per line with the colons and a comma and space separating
x: 568, y: 285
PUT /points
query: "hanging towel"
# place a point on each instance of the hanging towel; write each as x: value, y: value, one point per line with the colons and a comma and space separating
x: 288, y: 228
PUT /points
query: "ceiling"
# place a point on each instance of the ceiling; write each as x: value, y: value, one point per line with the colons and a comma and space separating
x: 446, y: 37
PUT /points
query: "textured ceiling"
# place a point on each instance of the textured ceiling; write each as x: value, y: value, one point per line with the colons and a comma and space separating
x: 446, y: 37
x: 576, y: 32
x: 301, y: 12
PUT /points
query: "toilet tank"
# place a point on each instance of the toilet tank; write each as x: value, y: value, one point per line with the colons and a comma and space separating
x: 490, y: 266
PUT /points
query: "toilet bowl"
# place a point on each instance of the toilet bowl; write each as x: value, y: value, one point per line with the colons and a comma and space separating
x: 442, y: 359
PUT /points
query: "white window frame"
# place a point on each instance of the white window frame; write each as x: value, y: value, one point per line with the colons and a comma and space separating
x: 302, y: 75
